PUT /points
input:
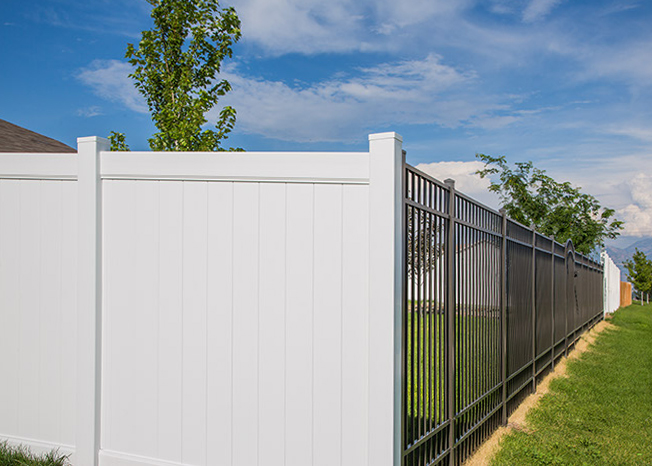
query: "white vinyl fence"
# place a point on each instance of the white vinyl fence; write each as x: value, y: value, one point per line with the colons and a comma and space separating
x: 202, y: 308
x: 611, y: 284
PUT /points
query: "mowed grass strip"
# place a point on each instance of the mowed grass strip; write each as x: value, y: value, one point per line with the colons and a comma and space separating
x: 20, y: 456
x: 601, y: 413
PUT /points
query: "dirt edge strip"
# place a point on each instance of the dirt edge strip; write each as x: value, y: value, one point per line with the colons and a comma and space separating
x: 516, y: 421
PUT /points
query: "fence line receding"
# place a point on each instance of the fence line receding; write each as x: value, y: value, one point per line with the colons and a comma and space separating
x: 490, y: 306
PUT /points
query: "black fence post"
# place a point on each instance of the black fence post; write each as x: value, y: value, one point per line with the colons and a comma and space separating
x: 450, y: 318
x: 534, y: 310
x: 552, y: 297
x: 503, y: 314
x: 406, y: 307
x: 571, y: 303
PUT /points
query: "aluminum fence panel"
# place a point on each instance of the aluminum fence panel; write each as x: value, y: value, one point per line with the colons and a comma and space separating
x: 489, y: 305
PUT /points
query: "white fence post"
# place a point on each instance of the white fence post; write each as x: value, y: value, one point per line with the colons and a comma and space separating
x: 611, y: 283
x: 89, y: 299
x: 385, y: 297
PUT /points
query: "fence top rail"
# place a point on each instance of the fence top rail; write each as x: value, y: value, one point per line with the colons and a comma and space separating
x: 468, y: 198
x: 426, y: 176
x: 554, y: 243
x: 38, y: 166
x: 298, y: 167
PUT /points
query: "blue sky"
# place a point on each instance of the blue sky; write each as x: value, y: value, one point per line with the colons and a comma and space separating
x: 566, y: 84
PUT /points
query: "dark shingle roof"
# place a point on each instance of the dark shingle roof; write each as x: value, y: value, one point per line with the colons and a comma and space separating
x: 14, y: 138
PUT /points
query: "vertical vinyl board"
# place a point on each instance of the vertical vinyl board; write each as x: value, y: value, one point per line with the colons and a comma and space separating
x: 271, y: 350
x: 327, y: 325
x: 51, y: 331
x: 141, y: 387
x: 219, y: 324
x: 355, y: 314
x: 170, y: 322
x: 10, y: 304
x: 67, y: 409
x: 246, y: 273
x: 299, y: 326
x: 29, y: 287
x: 195, y: 207
x: 118, y: 224
x: 125, y: 340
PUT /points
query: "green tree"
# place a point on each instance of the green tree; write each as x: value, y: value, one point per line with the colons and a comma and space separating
x: 118, y: 142
x: 555, y: 209
x: 176, y: 65
x: 639, y: 271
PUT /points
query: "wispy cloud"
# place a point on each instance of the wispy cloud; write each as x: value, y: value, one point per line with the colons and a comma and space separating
x: 633, y: 131
x: 538, y: 9
x: 110, y: 80
x: 630, y: 63
x: 619, y: 8
x: 314, y: 26
x: 340, y: 109
x: 89, y: 112
x: 117, y: 17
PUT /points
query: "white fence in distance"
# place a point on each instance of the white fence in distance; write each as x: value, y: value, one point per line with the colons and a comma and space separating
x: 204, y: 309
x: 611, y: 283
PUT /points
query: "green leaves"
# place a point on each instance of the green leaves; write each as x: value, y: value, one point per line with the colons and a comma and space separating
x: 639, y: 271
x: 176, y: 65
x: 118, y: 142
x: 556, y: 209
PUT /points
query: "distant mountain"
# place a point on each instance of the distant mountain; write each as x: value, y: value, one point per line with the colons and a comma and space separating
x: 619, y: 256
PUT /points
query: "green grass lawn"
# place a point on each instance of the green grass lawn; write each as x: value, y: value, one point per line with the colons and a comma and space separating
x: 600, y: 414
x: 20, y: 456
x: 426, y: 381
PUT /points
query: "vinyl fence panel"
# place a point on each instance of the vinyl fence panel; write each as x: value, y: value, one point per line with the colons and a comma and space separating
x: 237, y: 311
x: 38, y: 293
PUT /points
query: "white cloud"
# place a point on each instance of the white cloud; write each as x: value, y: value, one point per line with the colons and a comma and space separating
x: 638, y: 214
x: 110, y: 80
x: 633, y: 131
x: 341, y: 109
x: 630, y: 63
x: 493, y: 122
x: 621, y: 182
x: 410, y: 12
x: 315, y: 26
x: 308, y: 26
x: 538, y: 9
x: 89, y: 112
x: 466, y: 179
x: 619, y: 8
x: 502, y: 7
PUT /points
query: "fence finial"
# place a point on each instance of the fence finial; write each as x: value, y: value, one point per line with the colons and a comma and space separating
x: 450, y: 183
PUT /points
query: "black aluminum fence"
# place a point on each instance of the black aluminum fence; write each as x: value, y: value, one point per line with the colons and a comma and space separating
x: 490, y: 306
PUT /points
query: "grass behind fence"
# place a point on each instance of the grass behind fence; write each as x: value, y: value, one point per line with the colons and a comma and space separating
x: 478, y: 361
x: 602, y: 412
